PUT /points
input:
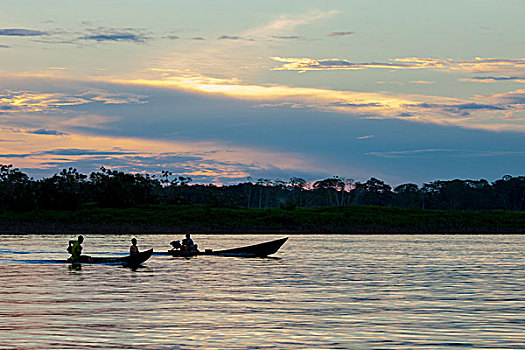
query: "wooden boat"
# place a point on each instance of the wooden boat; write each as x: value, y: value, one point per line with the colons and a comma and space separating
x: 260, y: 250
x: 128, y: 261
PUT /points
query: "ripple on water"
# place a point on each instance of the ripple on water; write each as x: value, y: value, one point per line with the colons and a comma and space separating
x: 346, y: 292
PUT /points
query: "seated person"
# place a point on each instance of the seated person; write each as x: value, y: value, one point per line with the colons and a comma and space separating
x: 188, y: 245
x: 133, y: 250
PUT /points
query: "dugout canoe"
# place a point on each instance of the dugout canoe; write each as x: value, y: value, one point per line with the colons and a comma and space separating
x: 128, y: 261
x: 260, y: 250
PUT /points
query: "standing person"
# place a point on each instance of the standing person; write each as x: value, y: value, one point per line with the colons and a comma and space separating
x: 133, y: 250
x: 76, y: 248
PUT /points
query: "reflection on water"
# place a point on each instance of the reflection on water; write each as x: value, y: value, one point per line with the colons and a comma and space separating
x: 331, y: 292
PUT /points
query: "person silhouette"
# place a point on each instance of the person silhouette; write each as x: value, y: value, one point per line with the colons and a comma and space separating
x: 76, y: 248
x: 133, y: 250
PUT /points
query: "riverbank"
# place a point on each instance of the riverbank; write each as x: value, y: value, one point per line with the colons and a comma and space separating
x: 218, y: 220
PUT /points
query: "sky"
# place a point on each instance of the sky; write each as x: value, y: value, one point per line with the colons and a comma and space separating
x: 222, y: 91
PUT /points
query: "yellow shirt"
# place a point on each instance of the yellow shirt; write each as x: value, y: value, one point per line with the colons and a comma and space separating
x: 76, y: 250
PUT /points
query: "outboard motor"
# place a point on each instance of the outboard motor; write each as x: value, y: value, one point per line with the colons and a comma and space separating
x: 176, y: 245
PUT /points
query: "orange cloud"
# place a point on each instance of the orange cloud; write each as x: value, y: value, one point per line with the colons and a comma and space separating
x: 494, y: 79
x: 497, y: 112
x: 27, y: 101
x: 418, y: 108
x: 29, y: 149
x: 13, y: 101
x: 477, y: 65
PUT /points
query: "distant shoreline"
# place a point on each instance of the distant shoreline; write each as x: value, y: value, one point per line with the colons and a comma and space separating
x: 201, y: 219
x: 67, y: 230
x: 21, y: 228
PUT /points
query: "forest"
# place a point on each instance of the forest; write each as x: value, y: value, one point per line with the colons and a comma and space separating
x: 71, y: 190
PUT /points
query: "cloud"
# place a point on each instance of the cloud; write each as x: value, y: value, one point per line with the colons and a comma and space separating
x: 46, y: 102
x: 32, y: 102
x: 239, y: 53
x: 21, y: 155
x: 68, y: 152
x: 299, y: 134
x: 477, y: 65
x: 83, y: 152
x: 198, y: 38
x: 443, y: 153
x: 103, y: 96
x: 511, y: 99
x: 490, y: 79
x: 458, y: 107
x: 287, y: 23
x: 422, y: 82
x: 115, y: 37
x: 339, y: 34
x: 349, y: 104
x: 104, y: 34
x: 100, y: 34
x: 490, y: 112
x: 4, y: 46
x: 203, y: 161
x: 200, y: 168
x: 227, y: 37
x: 40, y: 116
x: 308, y: 64
x: 287, y: 37
x: 46, y: 132
x: 21, y: 32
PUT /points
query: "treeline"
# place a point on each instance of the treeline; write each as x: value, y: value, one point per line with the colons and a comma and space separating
x: 71, y: 190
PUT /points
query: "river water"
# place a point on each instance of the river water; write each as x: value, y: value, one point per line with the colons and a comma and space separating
x: 331, y: 292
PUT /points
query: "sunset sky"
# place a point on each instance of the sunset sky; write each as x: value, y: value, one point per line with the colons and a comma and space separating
x: 404, y: 91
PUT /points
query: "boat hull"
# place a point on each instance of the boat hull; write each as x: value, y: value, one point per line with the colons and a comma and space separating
x: 128, y: 261
x: 260, y: 250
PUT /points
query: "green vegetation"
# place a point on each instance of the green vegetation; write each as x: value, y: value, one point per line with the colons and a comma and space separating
x: 71, y: 190
x: 207, y: 219
x: 113, y: 201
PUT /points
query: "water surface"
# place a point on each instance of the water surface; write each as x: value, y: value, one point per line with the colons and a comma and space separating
x: 329, y: 292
